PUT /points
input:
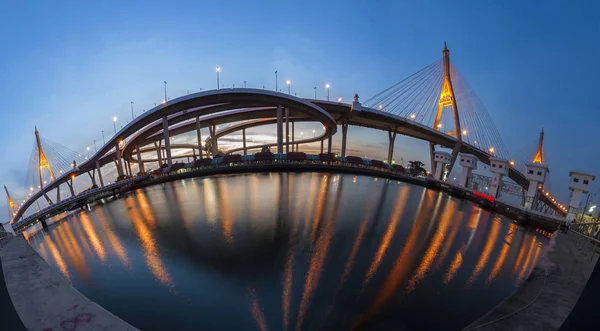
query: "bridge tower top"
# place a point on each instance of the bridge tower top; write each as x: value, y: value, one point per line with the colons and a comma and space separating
x: 447, y: 98
x: 12, y: 206
x: 539, y: 155
x: 43, y: 162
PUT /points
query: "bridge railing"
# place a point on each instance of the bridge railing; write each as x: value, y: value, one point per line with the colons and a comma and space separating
x: 586, y: 238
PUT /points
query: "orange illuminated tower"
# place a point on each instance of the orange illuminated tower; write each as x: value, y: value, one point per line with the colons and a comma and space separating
x: 43, y: 164
x: 12, y: 206
x: 447, y: 99
x: 539, y: 156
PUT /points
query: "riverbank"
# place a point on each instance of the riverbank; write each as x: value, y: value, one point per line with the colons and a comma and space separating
x: 559, y: 279
x: 46, y: 301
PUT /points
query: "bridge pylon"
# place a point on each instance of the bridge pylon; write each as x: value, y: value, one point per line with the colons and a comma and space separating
x: 12, y: 206
x: 447, y: 99
x: 43, y: 164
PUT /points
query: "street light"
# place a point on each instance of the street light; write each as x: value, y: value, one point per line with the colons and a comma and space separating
x: 289, y: 84
x: 132, y: 116
x: 275, y: 80
x: 464, y: 132
x: 88, y: 152
x: 315, y: 93
x: 340, y: 99
x: 314, y: 132
x: 115, y: 124
x: 413, y: 116
x: 492, y: 150
x: 218, y: 69
x: 165, y: 92
x: 327, y: 86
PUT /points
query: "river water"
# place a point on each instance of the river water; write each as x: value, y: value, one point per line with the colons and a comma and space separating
x: 291, y: 251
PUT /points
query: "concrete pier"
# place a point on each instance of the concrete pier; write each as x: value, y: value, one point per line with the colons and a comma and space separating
x: 560, y: 276
x: 44, y: 300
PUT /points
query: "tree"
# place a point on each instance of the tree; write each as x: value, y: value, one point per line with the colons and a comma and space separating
x: 417, y: 168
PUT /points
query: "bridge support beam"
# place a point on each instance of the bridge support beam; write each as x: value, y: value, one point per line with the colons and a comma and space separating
x: 329, y: 143
x: 279, y: 130
x: 432, y: 155
x: 44, y: 224
x: 140, y: 162
x: 99, y: 174
x: 287, y: 130
x: 92, y: 176
x: 344, y: 136
x: 212, y: 130
x: 165, y: 123
x: 58, y: 193
x: 199, y: 136
x: 294, y: 148
x: 244, y: 141
x: 454, y: 155
x: 118, y: 160
x: 70, y: 185
x: 322, y: 143
x: 392, y: 138
x: 129, y: 167
x: 159, y: 152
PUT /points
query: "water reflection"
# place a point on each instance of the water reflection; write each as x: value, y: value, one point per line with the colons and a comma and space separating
x: 291, y: 251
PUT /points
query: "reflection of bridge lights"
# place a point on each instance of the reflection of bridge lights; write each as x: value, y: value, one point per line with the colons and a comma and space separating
x: 413, y: 116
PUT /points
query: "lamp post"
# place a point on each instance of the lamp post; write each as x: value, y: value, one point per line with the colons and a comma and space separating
x: 314, y: 132
x: 166, y: 91
x: 327, y: 86
x: 275, y: 80
x: 115, y: 124
x: 95, y: 147
x: 88, y: 152
x: 289, y: 84
x: 315, y: 93
x: 132, y: 116
x: 244, y: 84
x: 218, y: 69
x: 103, y: 141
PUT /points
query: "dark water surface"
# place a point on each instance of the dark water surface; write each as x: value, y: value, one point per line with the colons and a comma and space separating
x: 291, y: 251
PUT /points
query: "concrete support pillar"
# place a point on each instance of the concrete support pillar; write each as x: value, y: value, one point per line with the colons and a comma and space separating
x: 294, y: 149
x: 199, y: 135
x: 496, y: 184
x: 99, y: 174
x: 70, y: 185
x: 454, y: 154
x: 392, y: 138
x: 322, y: 143
x: 92, y: 176
x: 118, y: 160
x: 531, y: 194
x: 58, y: 193
x: 159, y: 152
x: 287, y: 130
x: 140, y: 162
x: 329, y: 142
x: 441, y: 158
x: 129, y: 167
x: 344, y: 136
x: 165, y: 124
x: 244, y: 142
x: 279, y: 130
x: 432, y: 155
x: 464, y: 176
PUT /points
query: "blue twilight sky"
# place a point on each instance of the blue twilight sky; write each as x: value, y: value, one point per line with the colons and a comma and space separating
x: 68, y: 67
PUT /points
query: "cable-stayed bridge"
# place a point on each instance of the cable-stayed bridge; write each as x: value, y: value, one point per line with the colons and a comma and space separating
x: 436, y: 104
